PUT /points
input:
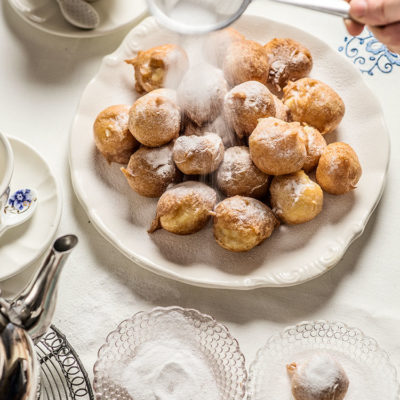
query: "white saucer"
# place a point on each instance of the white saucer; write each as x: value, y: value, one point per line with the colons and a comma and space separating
x: 23, y: 245
x: 46, y: 15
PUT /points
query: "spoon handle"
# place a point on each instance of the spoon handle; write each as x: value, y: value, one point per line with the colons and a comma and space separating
x: 339, y: 8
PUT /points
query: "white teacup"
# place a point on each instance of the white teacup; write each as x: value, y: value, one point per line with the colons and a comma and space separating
x: 6, y: 170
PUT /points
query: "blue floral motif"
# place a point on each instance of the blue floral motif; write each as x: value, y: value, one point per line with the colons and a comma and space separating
x: 21, y: 200
x: 369, y: 54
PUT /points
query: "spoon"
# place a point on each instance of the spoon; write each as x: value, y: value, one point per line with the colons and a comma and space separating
x: 79, y: 13
x: 20, y: 207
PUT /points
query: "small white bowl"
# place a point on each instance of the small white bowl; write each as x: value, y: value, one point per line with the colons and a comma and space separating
x: 6, y: 168
x: 367, y: 366
x: 212, y: 339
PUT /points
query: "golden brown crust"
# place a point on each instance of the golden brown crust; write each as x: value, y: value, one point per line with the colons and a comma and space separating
x: 151, y: 170
x: 245, y: 104
x: 245, y: 60
x: 158, y: 67
x: 201, y: 93
x: 241, y: 223
x: 339, y: 169
x: 185, y: 208
x: 217, y: 43
x: 155, y: 118
x: 281, y: 111
x: 276, y: 147
x: 237, y: 175
x: 295, y: 198
x: 198, y: 155
x: 289, y: 61
x: 314, y: 103
x: 315, y: 145
x: 112, y: 136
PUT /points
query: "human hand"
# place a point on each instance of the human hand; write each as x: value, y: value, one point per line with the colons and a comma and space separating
x: 381, y: 16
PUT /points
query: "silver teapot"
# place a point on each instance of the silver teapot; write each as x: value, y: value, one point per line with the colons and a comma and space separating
x: 24, y: 320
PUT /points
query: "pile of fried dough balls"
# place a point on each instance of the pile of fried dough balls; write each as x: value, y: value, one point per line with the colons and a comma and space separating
x: 250, y: 121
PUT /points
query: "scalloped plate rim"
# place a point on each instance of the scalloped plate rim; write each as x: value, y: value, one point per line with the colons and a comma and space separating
x: 242, y: 283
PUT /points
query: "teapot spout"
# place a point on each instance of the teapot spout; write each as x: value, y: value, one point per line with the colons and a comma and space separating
x: 34, y: 307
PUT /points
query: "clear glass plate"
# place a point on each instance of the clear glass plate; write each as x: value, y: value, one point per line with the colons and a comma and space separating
x: 370, y: 372
x: 219, y: 348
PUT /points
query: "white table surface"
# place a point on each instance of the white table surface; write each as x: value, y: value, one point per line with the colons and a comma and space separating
x: 42, y: 78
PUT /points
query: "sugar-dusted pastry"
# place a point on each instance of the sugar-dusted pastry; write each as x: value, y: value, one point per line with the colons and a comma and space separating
x: 315, y: 145
x: 155, y: 118
x: 201, y: 93
x: 339, y: 169
x: 244, y: 61
x: 321, y: 377
x: 151, y: 170
x: 245, y: 104
x: 295, y: 198
x: 161, y: 66
x: 217, y: 43
x: 289, y: 61
x: 241, y: 223
x: 281, y: 110
x: 218, y: 126
x: 276, y: 147
x: 198, y: 155
x: 112, y: 136
x: 237, y: 174
x: 185, y: 208
x: 314, y: 103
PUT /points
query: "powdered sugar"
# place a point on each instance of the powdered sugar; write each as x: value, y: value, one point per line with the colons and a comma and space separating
x: 320, y: 373
x: 254, y: 95
x: 169, y: 365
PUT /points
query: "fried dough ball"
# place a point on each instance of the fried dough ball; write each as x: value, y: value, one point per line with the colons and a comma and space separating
x: 112, y: 136
x: 161, y: 66
x: 219, y: 126
x: 151, y: 170
x: 315, y: 145
x: 295, y: 198
x: 244, y: 61
x: 281, y: 111
x: 339, y: 169
x: 198, y: 155
x: 319, y: 378
x: 217, y: 43
x: 185, y: 208
x: 241, y: 223
x: 276, y: 147
x: 314, y: 103
x: 245, y: 104
x: 155, y: 118
x: 201, y: 93
x: 237, y: 174
x: 289, y: 61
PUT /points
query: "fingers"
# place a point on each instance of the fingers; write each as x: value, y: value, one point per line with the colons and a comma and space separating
x: 354, y: 28
x: 389, y: 35
x: 375, y: 12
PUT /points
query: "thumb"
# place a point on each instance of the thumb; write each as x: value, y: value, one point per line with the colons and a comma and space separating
x: 375, y: 12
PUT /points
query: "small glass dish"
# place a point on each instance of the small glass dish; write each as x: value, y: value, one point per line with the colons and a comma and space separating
x: 219, y: 349
x: 370, y: 372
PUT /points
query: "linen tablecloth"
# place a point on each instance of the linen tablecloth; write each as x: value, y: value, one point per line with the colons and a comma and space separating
x: 42, y: 78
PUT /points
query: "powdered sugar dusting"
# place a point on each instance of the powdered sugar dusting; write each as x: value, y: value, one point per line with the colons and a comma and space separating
x: 319, y: 373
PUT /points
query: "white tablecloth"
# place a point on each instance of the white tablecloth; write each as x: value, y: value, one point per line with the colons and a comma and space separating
x: 42, y: 78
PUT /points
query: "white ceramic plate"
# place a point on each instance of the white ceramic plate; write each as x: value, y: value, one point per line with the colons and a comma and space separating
x: 293, y: 254
x: 23, y: 245
x: 371, y: 374
x: 114, y: 15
